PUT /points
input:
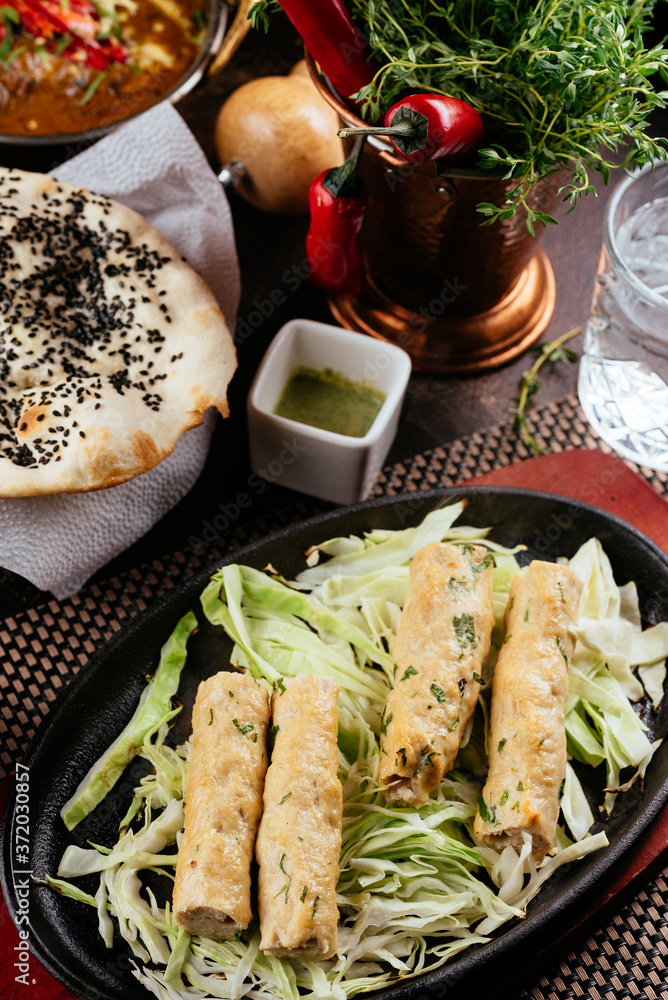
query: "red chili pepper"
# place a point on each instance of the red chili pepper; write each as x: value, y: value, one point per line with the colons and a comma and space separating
x: 337, y: 204
x: 429, y: 127
x: 329, y: 34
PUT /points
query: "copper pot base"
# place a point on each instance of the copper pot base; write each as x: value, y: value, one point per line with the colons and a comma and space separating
x: 459, y: 345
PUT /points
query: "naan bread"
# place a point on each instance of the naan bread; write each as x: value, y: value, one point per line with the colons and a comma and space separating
x: 111, y: 346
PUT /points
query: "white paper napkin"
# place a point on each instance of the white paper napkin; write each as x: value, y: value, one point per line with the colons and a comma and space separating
x: 154, y: 165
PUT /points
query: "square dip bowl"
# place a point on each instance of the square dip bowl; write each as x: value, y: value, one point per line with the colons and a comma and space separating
x: 320, y: 462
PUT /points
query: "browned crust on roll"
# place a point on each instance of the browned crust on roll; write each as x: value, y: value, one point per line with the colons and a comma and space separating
x: 299, y: 840
x: 440, y: 649
x: 527, y: 739
x: 212, y: 895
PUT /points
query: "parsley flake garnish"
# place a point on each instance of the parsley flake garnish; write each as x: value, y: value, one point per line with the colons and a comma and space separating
x: 487, y: 815
x: 465, y: 631
x: 286, y: 887
x: 561, y: 649
x: 425, y: 756
x: 410, y: 672
x: 244, y: 730
x: 438, y: 693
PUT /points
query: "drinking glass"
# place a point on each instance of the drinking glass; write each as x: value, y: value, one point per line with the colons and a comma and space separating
x: 623, y: 382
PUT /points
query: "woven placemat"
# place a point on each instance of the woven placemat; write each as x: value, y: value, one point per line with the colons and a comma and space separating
x: 43, y: 648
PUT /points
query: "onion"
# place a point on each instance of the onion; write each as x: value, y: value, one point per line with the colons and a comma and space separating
x: 284, y: 133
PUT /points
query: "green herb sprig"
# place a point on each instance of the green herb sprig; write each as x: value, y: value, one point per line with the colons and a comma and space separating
x: 553, y: 351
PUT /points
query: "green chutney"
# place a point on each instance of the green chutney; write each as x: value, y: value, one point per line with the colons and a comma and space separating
x: 331, y: 401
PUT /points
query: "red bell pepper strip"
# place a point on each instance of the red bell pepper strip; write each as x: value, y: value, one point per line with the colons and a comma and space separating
x: 337, y: 203
x: 329, y: 34
x: 47, y: 18
x: 429, y: 127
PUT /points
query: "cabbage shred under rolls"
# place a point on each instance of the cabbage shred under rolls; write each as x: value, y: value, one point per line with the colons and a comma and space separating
x: 299, y: 840
x: 527, y: 742
x: 223, y: 804
x: 440, y: 649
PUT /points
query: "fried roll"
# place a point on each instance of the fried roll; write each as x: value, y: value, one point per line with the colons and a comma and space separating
x: 222, y: 806
x: 299, y: 840
x: 527, y: 742
x: 440, y: 648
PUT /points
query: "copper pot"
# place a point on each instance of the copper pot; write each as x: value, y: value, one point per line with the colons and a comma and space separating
x: 457, y: 296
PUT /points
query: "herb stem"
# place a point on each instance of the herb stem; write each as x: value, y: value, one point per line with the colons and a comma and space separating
x: 529, y: 385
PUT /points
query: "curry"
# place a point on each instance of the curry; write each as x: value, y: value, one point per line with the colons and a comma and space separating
x: 67, y: 66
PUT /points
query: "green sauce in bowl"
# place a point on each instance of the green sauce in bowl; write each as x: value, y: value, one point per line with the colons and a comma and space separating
x: 329, y: 400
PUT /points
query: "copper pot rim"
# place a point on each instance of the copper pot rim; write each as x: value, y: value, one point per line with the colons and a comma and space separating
x: 383, y: 145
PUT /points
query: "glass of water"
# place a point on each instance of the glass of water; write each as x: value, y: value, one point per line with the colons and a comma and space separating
x: 623, y: 383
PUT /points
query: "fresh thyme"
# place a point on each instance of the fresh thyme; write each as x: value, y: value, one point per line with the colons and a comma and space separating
x: 554, y: 351
x: 560, y: 84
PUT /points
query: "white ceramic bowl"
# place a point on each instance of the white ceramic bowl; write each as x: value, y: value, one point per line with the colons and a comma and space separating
x: 327, y: 465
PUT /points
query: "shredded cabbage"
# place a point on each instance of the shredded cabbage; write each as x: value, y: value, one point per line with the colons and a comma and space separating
x: 415, y: 889
x: 153, y: 705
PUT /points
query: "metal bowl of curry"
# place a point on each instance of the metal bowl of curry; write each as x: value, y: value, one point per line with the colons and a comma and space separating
x: 71, y: 70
